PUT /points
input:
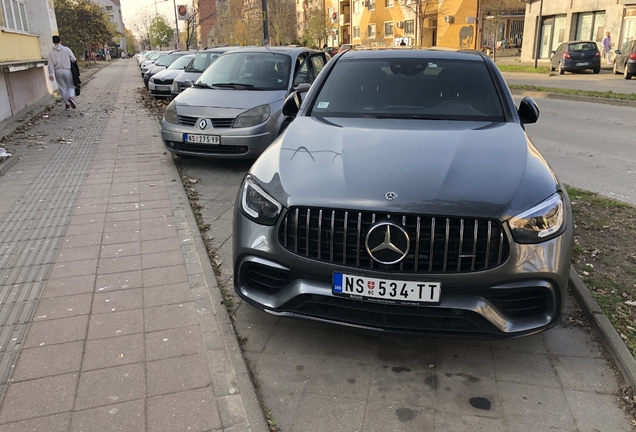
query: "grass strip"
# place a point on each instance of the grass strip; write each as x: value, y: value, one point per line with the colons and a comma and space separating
x: 589, y: 93
x: 523, y: 68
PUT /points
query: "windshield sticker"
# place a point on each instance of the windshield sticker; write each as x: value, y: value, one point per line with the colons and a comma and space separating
x: 323, y: 105
x: 432, y: 65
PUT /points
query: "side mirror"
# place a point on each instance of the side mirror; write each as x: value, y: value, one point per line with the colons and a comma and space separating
x: 553, y: 52
x: 528, y: 111
x: 187, y: 83
x: 291, y: 106
x: 302, y: 87
x: 617, y: 51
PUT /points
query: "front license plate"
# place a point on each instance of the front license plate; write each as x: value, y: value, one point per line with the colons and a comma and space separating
x: 583, y: 64
x: 202, y: 139
x: 163, y: 88
x: 386, y: 290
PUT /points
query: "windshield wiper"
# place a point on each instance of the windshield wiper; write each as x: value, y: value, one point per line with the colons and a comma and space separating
x: 193, y: 70
x: 201, y: 85
x: 236, y: 86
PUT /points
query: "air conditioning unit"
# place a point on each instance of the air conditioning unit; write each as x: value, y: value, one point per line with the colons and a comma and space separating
x: 449, y: 19
x: 399, y: 24
x: 365, y: 4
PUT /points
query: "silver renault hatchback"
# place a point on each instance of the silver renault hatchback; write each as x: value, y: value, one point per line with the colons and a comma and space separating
x: 234, y: 110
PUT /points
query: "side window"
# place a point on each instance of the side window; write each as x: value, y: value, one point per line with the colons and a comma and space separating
x: 309, y: 69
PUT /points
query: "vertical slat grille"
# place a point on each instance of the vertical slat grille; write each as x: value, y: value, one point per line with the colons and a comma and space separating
x: 437, y: 244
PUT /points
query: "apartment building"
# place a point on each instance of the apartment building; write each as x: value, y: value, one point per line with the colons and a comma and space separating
x: 558, y: 21
x: 26, y: 28
x: 113, y: 11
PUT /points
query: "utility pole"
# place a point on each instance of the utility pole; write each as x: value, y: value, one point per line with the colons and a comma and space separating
x: 265, y: 25
x: 537, y: 39
x: 176, y: 21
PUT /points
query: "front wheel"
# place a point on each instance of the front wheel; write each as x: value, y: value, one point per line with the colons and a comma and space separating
x: 551, y: 67
x: 561, y: 71
x: 615, y: 69
x: 626, y: 74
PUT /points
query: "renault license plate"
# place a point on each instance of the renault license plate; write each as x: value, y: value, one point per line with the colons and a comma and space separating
x: 386, y: 290
x: 202, y: 139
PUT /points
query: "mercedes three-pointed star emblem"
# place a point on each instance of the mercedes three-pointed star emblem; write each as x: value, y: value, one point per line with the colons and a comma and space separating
x: 387, y: 243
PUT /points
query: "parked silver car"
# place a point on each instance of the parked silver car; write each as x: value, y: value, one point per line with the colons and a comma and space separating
x: 234, y: 109
x: 202, y: 60
x: 406, y: 197
x: 160, y: 84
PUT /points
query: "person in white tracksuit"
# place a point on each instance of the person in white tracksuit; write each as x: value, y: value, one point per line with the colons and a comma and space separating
x: 60, y: 58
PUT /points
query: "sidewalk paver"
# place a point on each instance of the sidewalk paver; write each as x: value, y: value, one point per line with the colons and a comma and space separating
x: 109, y: 315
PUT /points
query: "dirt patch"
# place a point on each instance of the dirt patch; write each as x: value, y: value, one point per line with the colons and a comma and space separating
x: 150, y: 103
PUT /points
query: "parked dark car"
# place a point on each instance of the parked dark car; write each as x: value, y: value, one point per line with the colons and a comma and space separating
x: 576, y: 56
x: 625, y: 60
x: 162, y: 64
x: 197, y: 66
x: 332, y: 51
x: 406, y: 197
x: 234, y: 109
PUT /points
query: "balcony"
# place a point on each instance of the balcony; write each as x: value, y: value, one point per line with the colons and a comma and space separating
x: 345, y: 19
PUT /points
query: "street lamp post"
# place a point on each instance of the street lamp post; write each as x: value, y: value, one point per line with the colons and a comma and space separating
x: 176, y: 21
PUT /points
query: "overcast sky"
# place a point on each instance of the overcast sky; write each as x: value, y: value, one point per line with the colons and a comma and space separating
x: 131, y: 8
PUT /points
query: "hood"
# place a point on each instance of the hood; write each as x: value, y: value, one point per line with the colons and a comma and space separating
x: 184, y: 76
x: 202, y: 102
x: 168, y: 74
x: 450, y: 168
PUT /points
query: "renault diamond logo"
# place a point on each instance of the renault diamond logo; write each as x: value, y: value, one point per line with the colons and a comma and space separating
x: 387, y: 243
x: 203, y: 123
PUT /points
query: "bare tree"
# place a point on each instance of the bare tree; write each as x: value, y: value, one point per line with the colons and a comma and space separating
x: 238, y: 23
x: 421, y: 9
x: 317, y: 22
x: 282, y: 21
x: 141, y: 26
x: 492, y: 14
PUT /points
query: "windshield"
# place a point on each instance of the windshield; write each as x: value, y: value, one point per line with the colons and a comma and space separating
x: 582, y: 46
x: 157, y: 55
x: 169, y: 59
x: 409, y: 88
x: 248, y: 71
x: 181, y: 62
x: 202, y: 60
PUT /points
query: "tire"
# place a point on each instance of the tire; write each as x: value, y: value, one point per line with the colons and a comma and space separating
x: 560, y: 69
x: 615, y: 69
x: 551, y: 67
x: 596, y: 70
x: 626, y: 74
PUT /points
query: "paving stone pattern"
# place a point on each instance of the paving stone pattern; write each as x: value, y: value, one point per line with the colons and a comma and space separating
x: 109, y: 302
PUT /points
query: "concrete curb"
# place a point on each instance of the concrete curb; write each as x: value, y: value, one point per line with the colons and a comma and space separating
x: 609, y: 336
x: 546, y: 95
x: 243, y: 380
x: 7, y: 164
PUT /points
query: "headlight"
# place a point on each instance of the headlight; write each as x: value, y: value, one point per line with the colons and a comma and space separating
x: 542, y: 222
x: 252, y: 117
x: 152, y: 80
x: 257, y: 205
x: 175, y: 87
x: 170, y: 115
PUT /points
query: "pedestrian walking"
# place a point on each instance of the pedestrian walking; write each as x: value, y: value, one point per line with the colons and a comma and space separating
x: 60, y: 58
x: 607, y: 47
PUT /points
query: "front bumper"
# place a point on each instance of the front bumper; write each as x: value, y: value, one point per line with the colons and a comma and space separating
x: 240, y: 143
x: 474, y: 304
x: 154, y: 89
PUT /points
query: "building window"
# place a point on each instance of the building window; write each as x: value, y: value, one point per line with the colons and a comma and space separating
x: 388, y: 29
x: 14, y: 15
x: 356, y: 32
x: 409, y: 27
x: 388, y: 3
x: 109, y: 8
x: 356, y: 7
x: 371, y: 31
x: 371, y: 4
x: 590, y: 26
